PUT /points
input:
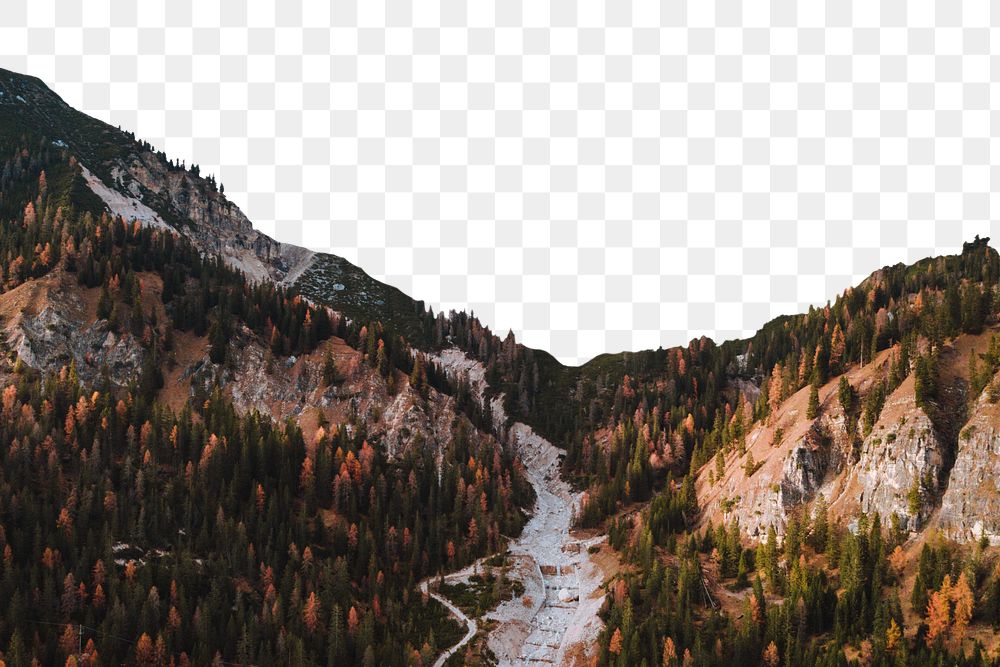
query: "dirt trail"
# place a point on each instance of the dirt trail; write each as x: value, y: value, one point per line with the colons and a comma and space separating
x: 563, y: 594
x: 470, y: 623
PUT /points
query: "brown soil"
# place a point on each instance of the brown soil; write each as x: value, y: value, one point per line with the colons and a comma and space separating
x: 188, y: 349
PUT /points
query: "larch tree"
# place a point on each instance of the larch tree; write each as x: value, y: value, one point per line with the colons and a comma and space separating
x: 669, y: 653
x: 311, y: 612
x: 964, y: 599
x: 938, y: 615
x: 837, y: 347
x: 770, y: 656
x: 616, y: 642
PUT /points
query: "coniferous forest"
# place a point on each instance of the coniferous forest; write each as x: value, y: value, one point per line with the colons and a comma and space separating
x: 149, y: 536
x: 142, y: 526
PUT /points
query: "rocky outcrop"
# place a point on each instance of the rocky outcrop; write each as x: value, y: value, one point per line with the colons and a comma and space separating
x: 794, y: 459
x: 970, y: 508
x: 805, y: 466
x: 902, y: 452
x: 140, y: 184
x: 208, y: 218
x: 46, y: 325
x: 293, y: 388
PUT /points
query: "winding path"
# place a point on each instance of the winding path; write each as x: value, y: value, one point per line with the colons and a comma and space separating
x: 470, y: 623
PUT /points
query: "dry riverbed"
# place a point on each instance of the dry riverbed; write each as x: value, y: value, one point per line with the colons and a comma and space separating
x: 555, y: 622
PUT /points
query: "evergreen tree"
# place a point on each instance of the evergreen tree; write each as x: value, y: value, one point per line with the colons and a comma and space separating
x: 812, y: 410
x: 330, y: 373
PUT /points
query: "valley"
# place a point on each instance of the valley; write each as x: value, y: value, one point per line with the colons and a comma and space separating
x: 329, y: 472
x: 558, y: 612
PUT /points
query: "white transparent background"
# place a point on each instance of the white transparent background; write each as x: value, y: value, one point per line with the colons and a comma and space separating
x: 596, y: 176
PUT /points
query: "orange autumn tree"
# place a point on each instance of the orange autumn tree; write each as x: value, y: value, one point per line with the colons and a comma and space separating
x: 949, y: 612
x: 669, y: 653
x: 352, y: 622
x: 770, y: 655
x: 311, y: 612
x: 616, y: 642
x: 964, y: 599
x: 939, y: 613
x: 145, y: 652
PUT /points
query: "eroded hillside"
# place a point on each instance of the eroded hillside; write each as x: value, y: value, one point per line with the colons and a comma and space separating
x: 228, y: 448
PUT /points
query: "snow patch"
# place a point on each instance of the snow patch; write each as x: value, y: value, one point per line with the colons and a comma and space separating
x: 129, y: 208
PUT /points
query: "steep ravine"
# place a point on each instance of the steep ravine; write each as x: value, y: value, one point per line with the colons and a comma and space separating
x: 557, y: 617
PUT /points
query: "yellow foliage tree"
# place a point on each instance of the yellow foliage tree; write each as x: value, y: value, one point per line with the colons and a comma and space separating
x: 616, y: 642
x: 770, y: 655
x: 669, y: 653
x: 964, y: 600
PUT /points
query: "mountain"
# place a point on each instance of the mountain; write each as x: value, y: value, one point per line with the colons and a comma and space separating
x: 221, y: 448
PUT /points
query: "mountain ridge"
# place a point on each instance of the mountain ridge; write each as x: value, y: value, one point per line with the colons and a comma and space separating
x: 37, y: 89
x: 357, y: 447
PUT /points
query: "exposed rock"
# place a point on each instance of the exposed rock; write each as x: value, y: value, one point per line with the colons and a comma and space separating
x: 970, y: 508
x: 902, y: 450
x: 805, y: 466
x: 293, y: 387
x: 46, y: 325
x: 210, y: 220
x: 796, y: 458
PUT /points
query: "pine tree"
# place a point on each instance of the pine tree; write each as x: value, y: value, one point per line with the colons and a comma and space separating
x: 330, y: 374
x: 845, y: 393
x: 924, y: 382
x: 972, y: 310
x: 218, y: 341
x: 914, y: 499
x: 812, y: 410
x: 776, y: 390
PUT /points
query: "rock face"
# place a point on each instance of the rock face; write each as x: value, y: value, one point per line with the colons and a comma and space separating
x: 806, y: 466
x: 211, y: 221
x: 45, y: 322
x: 293, y: 387
x: 795, y: 458
x: 902, y: 450
x: 140, y: 184
x: 970, y: 508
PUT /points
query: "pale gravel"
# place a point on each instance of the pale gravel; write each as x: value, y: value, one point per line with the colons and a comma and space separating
x: 129, y: 208
x: 543, y: 632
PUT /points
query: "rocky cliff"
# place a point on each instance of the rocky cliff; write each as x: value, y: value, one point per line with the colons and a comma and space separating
x: 901, y: 454
x: 970, y: 508
x: 50, y: 323
x: 901, y: 467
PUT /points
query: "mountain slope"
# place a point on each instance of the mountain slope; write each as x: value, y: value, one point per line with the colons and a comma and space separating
x: 316, y: 407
